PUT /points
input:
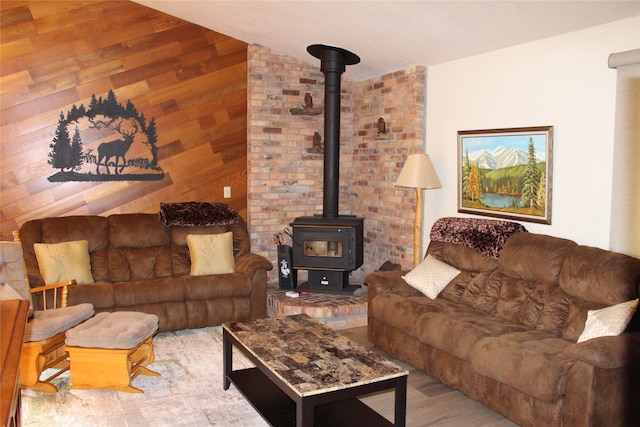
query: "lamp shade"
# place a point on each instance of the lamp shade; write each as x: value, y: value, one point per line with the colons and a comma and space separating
x: 418, y: 172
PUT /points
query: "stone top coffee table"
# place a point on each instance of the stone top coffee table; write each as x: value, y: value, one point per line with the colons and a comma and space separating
x: 307, y: 374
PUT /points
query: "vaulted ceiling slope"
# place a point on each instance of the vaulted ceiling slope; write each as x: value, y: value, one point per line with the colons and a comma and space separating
x: 393, y: 35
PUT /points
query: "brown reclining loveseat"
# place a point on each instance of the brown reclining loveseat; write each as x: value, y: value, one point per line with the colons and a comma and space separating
x: 140, y: 264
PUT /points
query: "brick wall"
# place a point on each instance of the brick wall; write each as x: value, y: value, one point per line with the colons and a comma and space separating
x: 399, y: 98
x: 285, y: 180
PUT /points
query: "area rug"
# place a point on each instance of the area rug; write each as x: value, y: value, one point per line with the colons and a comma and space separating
x: 188, y: 392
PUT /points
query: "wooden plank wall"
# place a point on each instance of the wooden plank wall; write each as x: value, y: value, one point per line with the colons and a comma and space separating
x: 192, y: 81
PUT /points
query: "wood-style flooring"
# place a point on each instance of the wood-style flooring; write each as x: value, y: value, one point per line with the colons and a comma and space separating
x: 429, y: 402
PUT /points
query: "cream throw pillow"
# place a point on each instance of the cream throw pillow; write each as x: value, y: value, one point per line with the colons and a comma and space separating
x: 431, y: 276
x: 608, y: 321
x: 211, y: 253
x: 64, y: 261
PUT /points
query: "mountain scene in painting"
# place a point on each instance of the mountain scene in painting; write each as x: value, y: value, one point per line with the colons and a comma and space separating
x: 510, y: 179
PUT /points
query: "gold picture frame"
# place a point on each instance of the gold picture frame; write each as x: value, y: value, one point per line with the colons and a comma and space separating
x: 506, y: 173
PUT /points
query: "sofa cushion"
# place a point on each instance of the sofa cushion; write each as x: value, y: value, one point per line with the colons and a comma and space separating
x: 473, y: 265
x: 534, y: 257
x: 217, y: 286
x: 142, y: 292
x: 609, y: 321
x: 553, y: 316
x: 454, y: 328
x: 483, y: 292
x: 431, y: 276
x: 600, y: 276
x: 461, y: 257
x: 139, y: 248
x: 130, y: 264
x: 60, y: 262
x: 93, y: 229
x: 211, y: 253
x: 458, y: 328
x: 137, y: 231
x: 99, y: 294
x: 527, y: 361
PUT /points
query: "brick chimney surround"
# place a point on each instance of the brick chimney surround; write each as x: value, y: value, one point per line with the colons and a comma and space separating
x: 285, y: 180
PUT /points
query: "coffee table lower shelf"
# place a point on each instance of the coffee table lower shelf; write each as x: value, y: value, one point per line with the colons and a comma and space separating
x: 279, y: 410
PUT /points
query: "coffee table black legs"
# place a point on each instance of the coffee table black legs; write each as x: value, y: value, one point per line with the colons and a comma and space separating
x: 401, y: 401
x: 309, y: 409
x: 227, y: 361
x: 304, y: 414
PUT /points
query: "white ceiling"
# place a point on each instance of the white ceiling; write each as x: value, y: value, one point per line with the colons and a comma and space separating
x: 393, y: 35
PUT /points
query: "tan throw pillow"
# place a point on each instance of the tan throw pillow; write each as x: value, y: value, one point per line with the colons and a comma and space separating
x: 608, y: 321
x: 431, y: 276
x: 64, y: 261
x: 211, y: 253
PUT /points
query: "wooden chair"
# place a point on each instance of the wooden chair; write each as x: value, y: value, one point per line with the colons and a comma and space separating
x: 43, y: 346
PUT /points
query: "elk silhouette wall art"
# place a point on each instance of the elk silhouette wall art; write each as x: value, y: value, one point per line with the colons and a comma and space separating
x: 105, y: 142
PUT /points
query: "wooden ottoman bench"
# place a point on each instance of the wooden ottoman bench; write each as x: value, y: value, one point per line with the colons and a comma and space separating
x: 111, y: 349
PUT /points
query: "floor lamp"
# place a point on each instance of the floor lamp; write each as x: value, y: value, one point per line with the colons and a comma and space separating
x: 418, y: 173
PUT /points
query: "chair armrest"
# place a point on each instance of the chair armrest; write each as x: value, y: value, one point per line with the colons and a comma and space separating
x: 54, y: 287
x: 607, y: 352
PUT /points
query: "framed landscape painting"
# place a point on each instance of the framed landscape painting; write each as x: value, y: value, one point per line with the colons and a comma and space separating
x: 506, y: 173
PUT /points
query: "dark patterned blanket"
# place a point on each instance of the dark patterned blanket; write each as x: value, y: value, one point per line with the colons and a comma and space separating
x: 197, y: 214
x: 486, y: 235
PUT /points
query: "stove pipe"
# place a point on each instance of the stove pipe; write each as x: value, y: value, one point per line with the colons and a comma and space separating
x: 332, y: 63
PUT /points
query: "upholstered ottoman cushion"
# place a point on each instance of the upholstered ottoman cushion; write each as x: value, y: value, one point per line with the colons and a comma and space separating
x: 53, y: 321
x: 111, y: 349
x: 121, y: 329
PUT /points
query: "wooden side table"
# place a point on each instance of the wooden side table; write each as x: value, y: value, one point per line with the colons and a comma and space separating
x: 13, y: 319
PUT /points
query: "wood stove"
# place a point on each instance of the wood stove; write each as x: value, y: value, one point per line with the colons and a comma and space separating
x: 330, y: 248
x: 330, y: 245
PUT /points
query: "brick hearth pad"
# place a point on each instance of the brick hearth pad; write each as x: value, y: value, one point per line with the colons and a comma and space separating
x: 335, y: 311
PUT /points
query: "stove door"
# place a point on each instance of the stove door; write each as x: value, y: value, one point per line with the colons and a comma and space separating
x: 326, y: 248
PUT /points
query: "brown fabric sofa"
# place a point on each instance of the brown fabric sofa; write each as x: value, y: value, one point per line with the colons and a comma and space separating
x: 139, y: 264
x: 504, y: 330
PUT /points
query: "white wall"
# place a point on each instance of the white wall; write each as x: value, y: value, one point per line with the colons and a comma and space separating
x: 562, y: 81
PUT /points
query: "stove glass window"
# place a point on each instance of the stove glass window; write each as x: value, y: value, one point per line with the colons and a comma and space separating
x: 322, y: 248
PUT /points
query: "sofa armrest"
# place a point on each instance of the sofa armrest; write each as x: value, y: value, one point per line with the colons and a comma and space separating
x: 256, y: 267
x: 250, y: 263
x: 607, y: 352
x: 386, y: 282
